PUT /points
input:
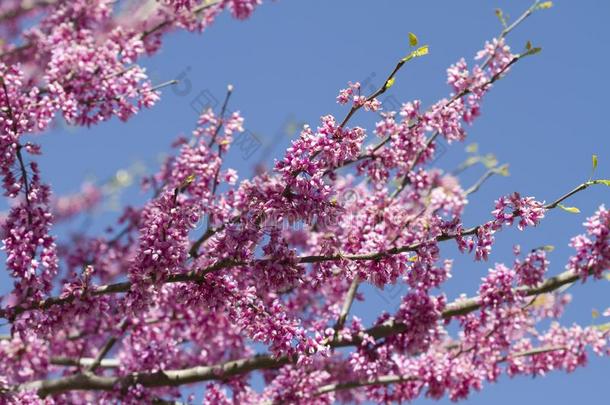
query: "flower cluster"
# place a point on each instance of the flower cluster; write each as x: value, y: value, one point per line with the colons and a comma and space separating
x: 497, y: 288
x: 353, y: 93
x: 31, y: 251
x: 420, y: 313
x: 592, y: 250
x: 163, y: 244
x: 531, y: 271
x: 527, y: 209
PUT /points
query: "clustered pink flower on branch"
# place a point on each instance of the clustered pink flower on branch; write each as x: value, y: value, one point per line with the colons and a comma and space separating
x: 159, y: 302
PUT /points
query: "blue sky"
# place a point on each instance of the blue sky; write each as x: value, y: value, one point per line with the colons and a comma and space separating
x: 287, y: 64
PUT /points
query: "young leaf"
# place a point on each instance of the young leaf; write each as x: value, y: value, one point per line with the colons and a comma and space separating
x: 390, y: 82
x: 604, y: 182
x: 528, y: 45
x: 594, y: 159
x: 533, y: 51
x: 421, y: 51
x: 594, y: 313
x: 545, y: 5
x: 572, y: 210
x: 472, y: 148
x: 413, y: 39
x: 490, y: 160
x: 545, y: 248
x: 503, y: 170
x: 603, y: 328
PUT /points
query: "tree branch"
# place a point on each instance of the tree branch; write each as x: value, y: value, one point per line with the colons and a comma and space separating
x: 347, y: 305
x: 199, y: 274
x: 173, y: 378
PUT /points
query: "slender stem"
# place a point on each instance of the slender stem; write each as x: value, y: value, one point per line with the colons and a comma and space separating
x: 476, y: 186
x: 164, y: 84
x: 519, y: 20
x: 194, y: 251
x: 107, y: 347
x: 24, y: 174
x: 405, y: 180
x: 347, y: 305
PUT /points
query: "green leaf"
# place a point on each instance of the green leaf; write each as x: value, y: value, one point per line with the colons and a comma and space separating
x: 472, y: 161
x: 490, y: 161
x: 603, y: 328
x: 594, y: 159
x: 604, y: 182
x: 413, y: 39
x: 186, y: 183
x: 532, y: 51
x: 390, y: 82
x: 472, y: 148
x: 421, y: 51
x: 572, y: 210
x: 503, y: 170
x: 545, y: 248
x: 544, y: 5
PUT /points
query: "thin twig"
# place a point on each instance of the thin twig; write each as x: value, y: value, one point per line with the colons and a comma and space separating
x: 347, y: 305
x: 107, y: 347
x: 476, y: 186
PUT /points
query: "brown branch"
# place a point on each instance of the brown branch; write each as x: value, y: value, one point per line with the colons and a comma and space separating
x: 233, y: 368
x: 166, y: 378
